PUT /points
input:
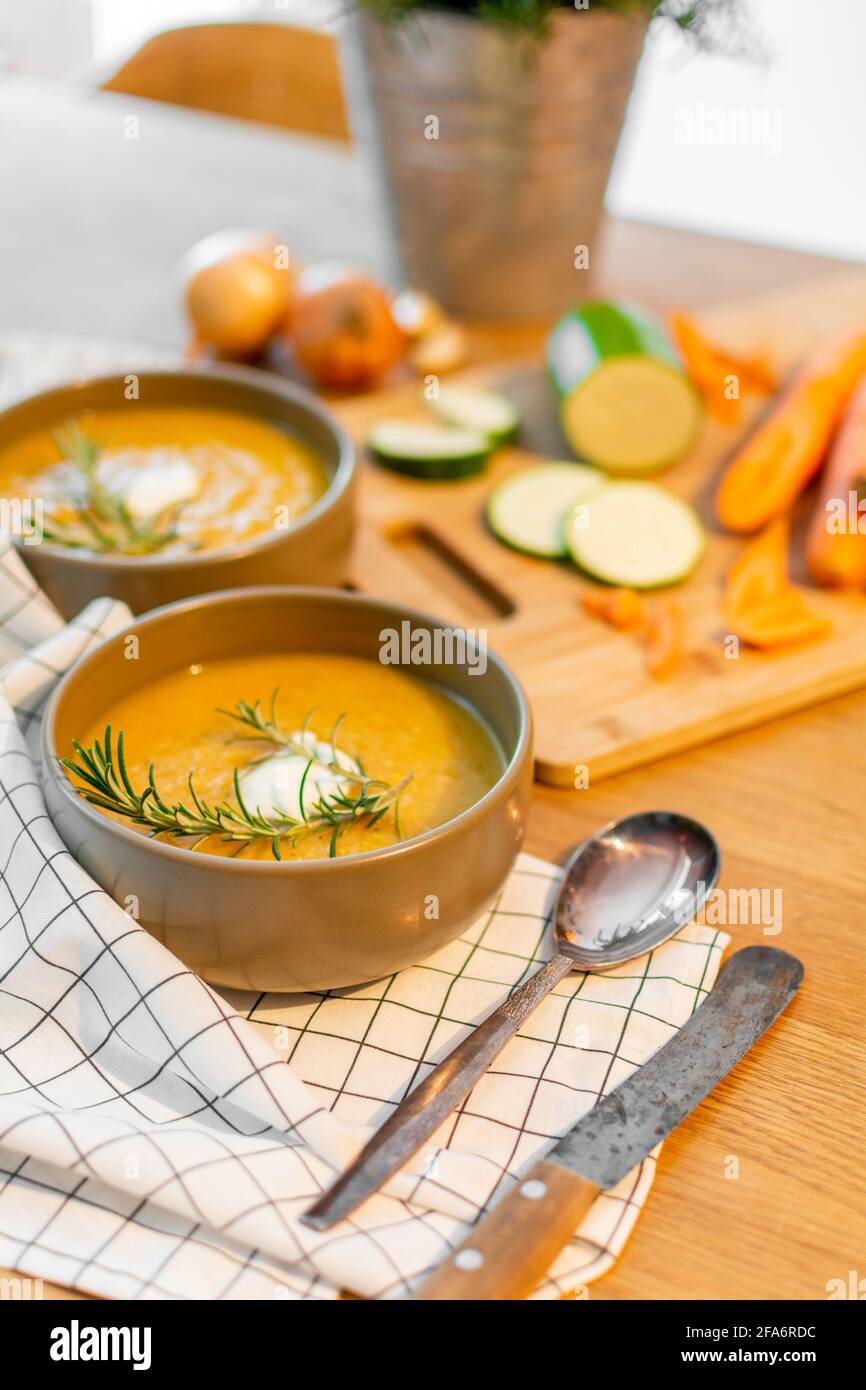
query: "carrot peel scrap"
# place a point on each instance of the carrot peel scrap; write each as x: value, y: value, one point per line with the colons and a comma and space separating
x: 665, y: 640
x: 710, y: 367
x: 621, y: 608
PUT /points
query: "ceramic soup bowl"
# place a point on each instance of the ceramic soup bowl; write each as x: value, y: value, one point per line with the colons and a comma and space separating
x: 310, y: 547
x: 306, y: 923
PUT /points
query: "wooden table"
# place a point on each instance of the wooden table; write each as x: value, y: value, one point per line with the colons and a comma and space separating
x: 92, y: 229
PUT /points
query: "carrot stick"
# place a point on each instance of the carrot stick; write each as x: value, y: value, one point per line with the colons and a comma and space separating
x: 835, y: 544
x: 774, y: 466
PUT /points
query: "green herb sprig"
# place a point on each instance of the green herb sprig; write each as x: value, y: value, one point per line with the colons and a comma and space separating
x: 100, y: 520
x: 101, y: 768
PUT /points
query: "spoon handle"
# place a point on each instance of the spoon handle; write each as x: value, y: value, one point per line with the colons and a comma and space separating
x: 421, y: 1112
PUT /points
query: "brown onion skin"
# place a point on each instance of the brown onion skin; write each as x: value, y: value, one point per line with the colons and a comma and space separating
x: 342, y: 330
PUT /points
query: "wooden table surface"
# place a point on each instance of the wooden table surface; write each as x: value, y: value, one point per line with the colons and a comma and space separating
x: 93, y: 225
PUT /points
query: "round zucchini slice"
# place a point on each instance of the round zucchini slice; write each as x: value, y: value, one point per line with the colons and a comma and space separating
x: 625, y: 403
x: 437, y: 452
x: 529, y: 510
x: 637, y: 536
x: 473, y: 409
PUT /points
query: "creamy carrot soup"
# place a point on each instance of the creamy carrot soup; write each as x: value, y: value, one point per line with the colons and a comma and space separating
x: 397, y: 729
x: 187, y: 479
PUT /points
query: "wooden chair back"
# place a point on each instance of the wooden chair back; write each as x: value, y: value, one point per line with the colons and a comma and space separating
x: 277, y: 74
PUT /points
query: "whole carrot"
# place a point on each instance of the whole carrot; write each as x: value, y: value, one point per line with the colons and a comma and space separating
x: 835, y: 544
x: 773, y: 467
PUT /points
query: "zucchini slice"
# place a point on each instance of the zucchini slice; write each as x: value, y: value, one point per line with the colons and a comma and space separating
x: 529, y: 510
x: 625, y: 402
x: 429, y: 451
x: 474, y: 409
x: 637, y: 536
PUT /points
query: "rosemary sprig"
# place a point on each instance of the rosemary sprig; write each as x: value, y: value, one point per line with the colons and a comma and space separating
x: 265, y: 729
x: 101, y: 521
x: 101, y: 768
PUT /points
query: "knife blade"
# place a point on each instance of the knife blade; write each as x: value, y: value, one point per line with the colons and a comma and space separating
x: 507, y: 1253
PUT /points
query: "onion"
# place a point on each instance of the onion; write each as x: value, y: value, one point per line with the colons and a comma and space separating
x: 238, y: 301
x: 342, y: 329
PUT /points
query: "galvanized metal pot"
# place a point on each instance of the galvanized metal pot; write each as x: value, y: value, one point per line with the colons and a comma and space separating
x: 495, y: 148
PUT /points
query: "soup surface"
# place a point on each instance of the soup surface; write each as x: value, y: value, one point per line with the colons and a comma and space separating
x: 394, y: 725
x: 196, y: 478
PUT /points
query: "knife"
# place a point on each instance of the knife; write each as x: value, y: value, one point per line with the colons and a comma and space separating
x: 507, y: 1254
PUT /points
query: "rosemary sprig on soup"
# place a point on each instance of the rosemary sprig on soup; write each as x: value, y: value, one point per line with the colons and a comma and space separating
x: 95, y: 517
x: 147, y: 480
x: 280, y: 796
x: 299, y: 776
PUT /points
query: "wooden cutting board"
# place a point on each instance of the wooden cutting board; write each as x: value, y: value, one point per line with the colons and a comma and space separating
x: 597, y: 710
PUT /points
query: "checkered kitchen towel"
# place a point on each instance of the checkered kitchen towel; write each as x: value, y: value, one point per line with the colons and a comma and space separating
x: 159, y: 1140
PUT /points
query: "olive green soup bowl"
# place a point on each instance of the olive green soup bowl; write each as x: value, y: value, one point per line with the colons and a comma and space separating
x: 296, y: 924
x: 316, y: 549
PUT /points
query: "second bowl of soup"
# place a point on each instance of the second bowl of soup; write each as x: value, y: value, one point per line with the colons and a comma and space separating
x: 284, y: 793
x: 156, y: 486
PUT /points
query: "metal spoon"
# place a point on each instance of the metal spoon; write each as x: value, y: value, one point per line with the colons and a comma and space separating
x: 626, y: 890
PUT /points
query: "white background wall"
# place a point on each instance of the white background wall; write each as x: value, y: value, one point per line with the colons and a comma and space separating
x: 773, y: 153
x: 802, y: 182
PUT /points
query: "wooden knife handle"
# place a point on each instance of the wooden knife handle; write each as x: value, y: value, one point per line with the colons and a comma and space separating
x: 508, y: 1253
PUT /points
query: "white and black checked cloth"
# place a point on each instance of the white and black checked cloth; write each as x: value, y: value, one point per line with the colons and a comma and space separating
x: 159, y: 1140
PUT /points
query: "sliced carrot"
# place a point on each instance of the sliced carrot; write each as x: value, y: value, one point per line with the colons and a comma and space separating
x: 760, y: 604
x: 760, y: 572
x: 774, y: 466
x: 835, y: 545
x: 781, y: 621
x: 622, y: 608
x: 711, y: 366
x: 665, y: 644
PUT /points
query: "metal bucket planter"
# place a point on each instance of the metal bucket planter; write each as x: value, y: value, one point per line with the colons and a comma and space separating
x: 495, y: 149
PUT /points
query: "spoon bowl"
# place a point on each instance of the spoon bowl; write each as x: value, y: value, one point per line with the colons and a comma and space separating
x: 631, y: 885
